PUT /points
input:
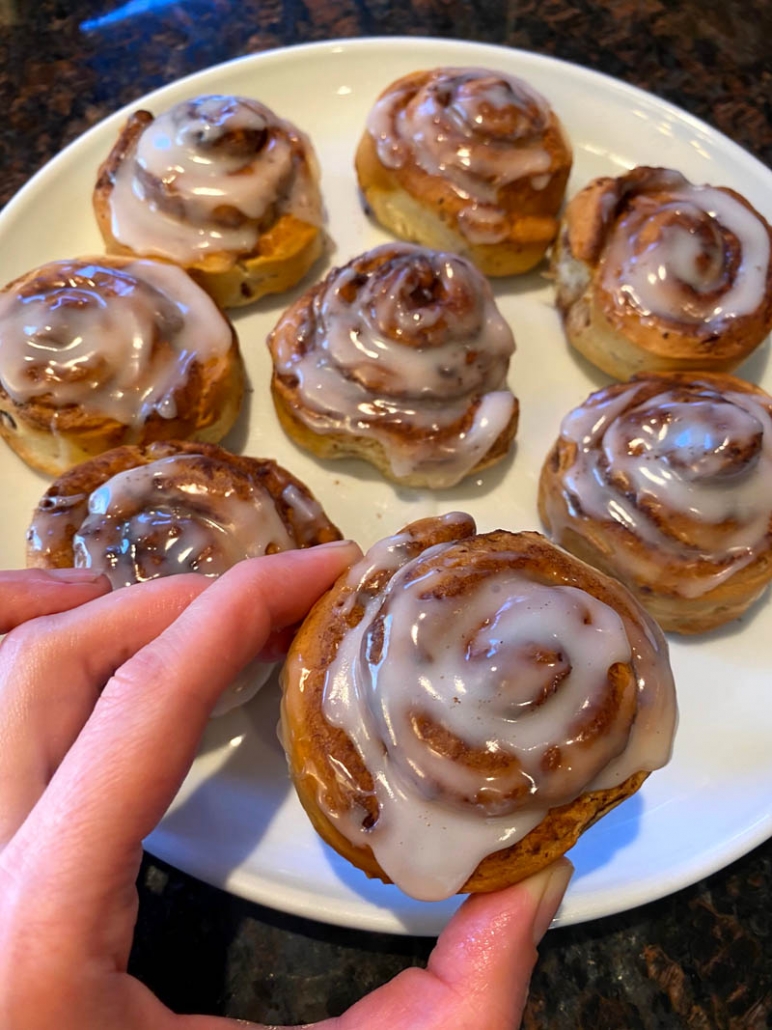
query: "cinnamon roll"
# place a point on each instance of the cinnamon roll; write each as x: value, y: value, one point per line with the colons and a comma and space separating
x: 468, y: 160
x: 98, y: 352
x: 666, y: 483
x: 654, y: 274
x: 138, y: 513
x: 220, y: 185
x: 459, y: 708
x: 399, y: 357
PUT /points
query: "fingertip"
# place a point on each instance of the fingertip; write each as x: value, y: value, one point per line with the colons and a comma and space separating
x: 335, y: 545
x: 27, y: 594
x: 344, y: 552
x: 535, y: 900
x: 333, y: 557
x: 540, y: 894
x: 289, y: 582
x: 516, y: 917
x: 488, y: 950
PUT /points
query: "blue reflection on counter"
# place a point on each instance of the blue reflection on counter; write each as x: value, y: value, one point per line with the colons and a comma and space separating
x: 127, y: 10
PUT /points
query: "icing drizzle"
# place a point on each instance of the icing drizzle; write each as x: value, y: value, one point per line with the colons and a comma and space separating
x: 687, y: 254
x: 401, y: 344
x: 209, y: 176
x: 511, y: 669
x: 477, y: 129
x: 680, y: 463
x: 165, y: 518
x: 117, y: 341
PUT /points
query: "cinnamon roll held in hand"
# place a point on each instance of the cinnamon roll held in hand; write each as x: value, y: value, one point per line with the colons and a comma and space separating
x: 220, y: 185
x: 468, y: 160
x: 460, y: 707
x: 138, y: 513
x: 400, y: 357
x: 654, y: 274
x: 98, y: 352
x: 666, y: 483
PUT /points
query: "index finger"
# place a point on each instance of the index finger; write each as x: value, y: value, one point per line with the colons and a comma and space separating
x: 129, y: 760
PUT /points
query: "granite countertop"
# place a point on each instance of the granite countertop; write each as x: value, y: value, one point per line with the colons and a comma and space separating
x: 697, y: 959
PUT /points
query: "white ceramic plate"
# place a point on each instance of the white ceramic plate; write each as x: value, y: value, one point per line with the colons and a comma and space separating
x: 236, y: 822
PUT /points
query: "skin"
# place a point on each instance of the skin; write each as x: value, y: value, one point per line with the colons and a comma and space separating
x: 90, y: 683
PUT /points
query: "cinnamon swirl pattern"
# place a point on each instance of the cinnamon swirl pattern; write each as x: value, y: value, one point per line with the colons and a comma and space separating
x: 400, y: 357
x: 97, y: 352
x: 666, y: 483
x: 138, y: 513
x: 220, y: 185
x: 655, y: 274
x: 460, y: 707
x: 468, y: 160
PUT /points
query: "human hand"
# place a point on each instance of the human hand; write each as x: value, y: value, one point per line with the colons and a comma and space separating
x: 103, y: 701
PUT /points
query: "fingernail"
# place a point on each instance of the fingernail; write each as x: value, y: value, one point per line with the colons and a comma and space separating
x: 74, y: 575
x: 344, y: 545
x: 548, y: 888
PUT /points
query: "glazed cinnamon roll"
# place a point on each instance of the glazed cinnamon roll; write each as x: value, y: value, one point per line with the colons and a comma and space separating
x: 654, y: 274
x: 98, y: 352
x: 468, y: 160
x: 666, y: 483
x: 459, y: 708
x: 220, y: 185
x: 399, y: 357
x: 138, y: 513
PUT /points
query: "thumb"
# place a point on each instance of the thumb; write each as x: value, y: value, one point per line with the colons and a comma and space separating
x: 489, y: 950
x: 480, y: 969
x: 478, y: 974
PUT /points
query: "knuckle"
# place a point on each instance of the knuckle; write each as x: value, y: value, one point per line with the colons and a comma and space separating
x: 148, y: 670
x: 28, y: 641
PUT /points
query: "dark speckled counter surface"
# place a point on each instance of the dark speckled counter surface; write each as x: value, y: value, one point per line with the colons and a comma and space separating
x: 699, y: 959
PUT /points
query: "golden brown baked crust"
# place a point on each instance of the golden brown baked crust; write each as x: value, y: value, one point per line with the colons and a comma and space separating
x: 287, y: 241
x: 560, y: 829
x: 656, y: 275
x: 334, y: 784
x: 442, y: 358
x: 153, y: 358
x: 64, y: 507
x: 665, y: 482
x: 502, y: 215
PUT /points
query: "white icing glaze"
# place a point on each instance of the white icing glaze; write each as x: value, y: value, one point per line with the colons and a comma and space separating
x: 415, y: 344
x: 511, y: 667
x: 479, y: 130
x: 695, y: 453
x: 162, y: 518
x: 185, y: 513
x: 117, y: 341
x: 190, y: 190
x: 668, y: 258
